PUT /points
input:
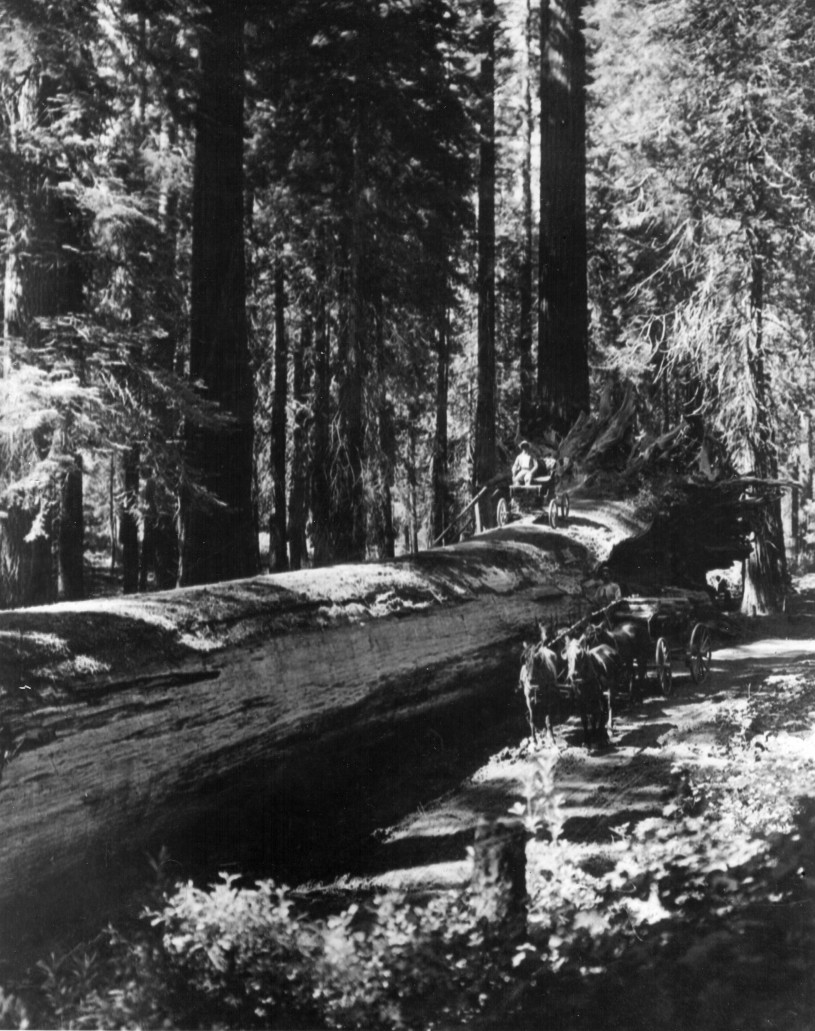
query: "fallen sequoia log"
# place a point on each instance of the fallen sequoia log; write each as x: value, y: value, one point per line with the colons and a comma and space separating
x: 127, y: 723
x: 697, y: 527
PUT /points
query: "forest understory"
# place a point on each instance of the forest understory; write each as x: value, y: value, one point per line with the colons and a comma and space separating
x: 669, y: 880
x: 670, y: 875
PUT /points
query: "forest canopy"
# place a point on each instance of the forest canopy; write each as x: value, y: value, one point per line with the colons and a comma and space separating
x: 315, y: 269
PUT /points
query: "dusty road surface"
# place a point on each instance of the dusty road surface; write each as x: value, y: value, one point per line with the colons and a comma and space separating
x: 671, y: 876
x: 603, y: 790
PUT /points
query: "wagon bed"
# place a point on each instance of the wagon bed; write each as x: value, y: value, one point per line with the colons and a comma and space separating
x: 679, y: 627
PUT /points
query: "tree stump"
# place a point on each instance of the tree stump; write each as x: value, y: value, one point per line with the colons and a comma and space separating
x: 499, y: 874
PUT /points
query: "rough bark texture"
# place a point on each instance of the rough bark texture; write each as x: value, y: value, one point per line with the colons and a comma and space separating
x: 71, y: 533
x: 484, y: 442
x: 765, y: 570
x: 348, y: 517
x: 218, y: 539
x: 698, y: 527
x: 439, y: 472
x: 563, y: 372
x: 298, y: 496
x: 526, y: 401
x: 133, y: 722
x: 319, y: 439
x: 499, y: 875
x: 278, y: 547
x: 25, y: 565
x: 128, y: 521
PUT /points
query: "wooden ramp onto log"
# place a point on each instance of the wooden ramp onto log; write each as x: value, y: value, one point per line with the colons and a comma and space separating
x: 124, y: 722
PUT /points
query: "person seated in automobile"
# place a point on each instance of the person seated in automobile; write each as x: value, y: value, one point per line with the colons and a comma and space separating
x: 525, y: 465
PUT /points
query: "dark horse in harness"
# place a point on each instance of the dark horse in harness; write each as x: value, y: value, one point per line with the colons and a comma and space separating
x: 590, y: 675
x: 632, y: 645
x: 539, y: 683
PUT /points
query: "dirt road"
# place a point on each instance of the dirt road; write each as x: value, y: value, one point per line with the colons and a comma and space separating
x: 670, y: 876
x: 601, y: 792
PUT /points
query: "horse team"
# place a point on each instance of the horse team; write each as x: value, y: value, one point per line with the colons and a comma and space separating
x: 589, y: 670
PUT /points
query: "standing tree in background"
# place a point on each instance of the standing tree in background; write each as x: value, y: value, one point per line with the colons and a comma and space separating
x: 527, y: 385
x: 278, y: 529
x: 219, y: 539
x: 702, y: 183
x: 563, y: 372
x: 319, y: 490
x: 439, y: 472
x: 298, y: 495
x: 484, y: 456
x: 44, y: 281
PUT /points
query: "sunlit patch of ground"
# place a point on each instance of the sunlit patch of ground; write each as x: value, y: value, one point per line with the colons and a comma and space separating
x: 668, y: 862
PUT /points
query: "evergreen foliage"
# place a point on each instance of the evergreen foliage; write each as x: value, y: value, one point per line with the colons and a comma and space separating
x: 364, y: 136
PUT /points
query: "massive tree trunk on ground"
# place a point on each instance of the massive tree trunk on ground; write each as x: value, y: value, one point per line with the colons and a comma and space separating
x: 698, y: 527
x: 484, y: 442
x: 563, y: 371
x: 176, y: 718
x: 218, y: 536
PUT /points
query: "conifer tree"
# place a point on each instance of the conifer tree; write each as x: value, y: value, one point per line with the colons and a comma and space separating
x: 219, y: 539
x: 563, y: 374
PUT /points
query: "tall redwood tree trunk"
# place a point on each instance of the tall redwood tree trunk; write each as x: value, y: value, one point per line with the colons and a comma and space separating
x: 128, y: 521
x: 440, y: 489
x: 563, y: 371
x: 526, y: 406
x: 320, y: 483
x: 765, y: 570
x: 298, y: 497
x: 162, y: 533
x: 71, y: 533
x: 278, y: 550
x: 218, y: 538
x: 484, y: 443
x: 381, y: 446
x: 349, y: 521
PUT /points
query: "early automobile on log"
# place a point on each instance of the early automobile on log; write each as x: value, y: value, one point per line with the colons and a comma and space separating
x: 542, y: 495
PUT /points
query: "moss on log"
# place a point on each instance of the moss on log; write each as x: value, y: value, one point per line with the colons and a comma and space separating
x: 127, y: 722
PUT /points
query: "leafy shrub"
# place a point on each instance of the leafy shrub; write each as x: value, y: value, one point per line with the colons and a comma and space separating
x: 700, y: 917
x: 377, y: 964
x: 13, y: 1013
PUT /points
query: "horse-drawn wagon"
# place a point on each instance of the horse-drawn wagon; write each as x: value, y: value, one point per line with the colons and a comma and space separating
x: 542, y: 495
x: 672, y: 628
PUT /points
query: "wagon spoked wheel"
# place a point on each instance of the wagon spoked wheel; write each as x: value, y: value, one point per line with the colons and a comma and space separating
x: 564, y: 506
x: 502, y: 512
x: 663, y: 662
x: 699, y: 653
x: 553, y: 513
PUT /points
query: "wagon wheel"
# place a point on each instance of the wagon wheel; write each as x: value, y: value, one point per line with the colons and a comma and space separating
x: 699, y: 653
x: 553, y: 513
x: 565, y: 505
x: 663, y: 662
x: 502, y: 512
